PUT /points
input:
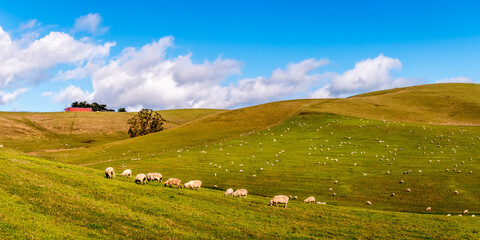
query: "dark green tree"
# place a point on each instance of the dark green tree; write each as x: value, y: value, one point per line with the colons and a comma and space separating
x: 145, y: 122
x: 121, y: 110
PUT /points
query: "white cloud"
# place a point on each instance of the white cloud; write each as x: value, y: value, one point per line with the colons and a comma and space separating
x: 367, y: 75
x: 9, y: 97
x: 77, y: 73
x: 71, y: 94
x: 455, y: 80
x: 29, y: 25
x: 27, y: 64
x: 91, y: 23
x: 145, y: 77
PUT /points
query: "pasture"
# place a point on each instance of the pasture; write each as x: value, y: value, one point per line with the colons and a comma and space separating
x: 404, y: 150
x: 43, y: 199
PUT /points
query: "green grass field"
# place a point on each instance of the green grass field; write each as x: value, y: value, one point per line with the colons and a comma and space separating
x: 41, y: 199
x: 344, y: 152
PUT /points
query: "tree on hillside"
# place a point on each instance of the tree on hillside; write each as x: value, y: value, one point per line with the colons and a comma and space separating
x: 96, y: 107
x: 145, y: 122
x: 121, y: 110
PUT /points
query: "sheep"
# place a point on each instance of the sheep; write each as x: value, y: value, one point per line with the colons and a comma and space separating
x: 126, y: 173
x: 465, y: 212
x: 157, y: 177
x: 109, y: 173
x: 193, y: 184
x: 240, y: 192
x: 173, y: 181
x: 154, y: 177
x: 141, y: 179
x: 309, y: 200
x: 282, y: 199
x: 369, y: 203
x: 428, y: 209
x: 228, y: 192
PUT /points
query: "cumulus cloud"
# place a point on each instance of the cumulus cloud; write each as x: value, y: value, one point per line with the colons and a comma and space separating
x: 11, y: 96
x: 455, y: 80
x: 91, y: 23
x: 71, y: 94
x: 27, y: 64
x: 146, y: 78
x: 367, y: 75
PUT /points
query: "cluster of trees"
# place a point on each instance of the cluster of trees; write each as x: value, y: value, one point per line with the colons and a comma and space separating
x: 145, y: 122
x: 95, y: 107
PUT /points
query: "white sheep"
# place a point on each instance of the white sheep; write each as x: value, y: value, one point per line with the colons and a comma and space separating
x: 109, y: 173
x: 126, y: 173
x: 369, y: 203
x: 309, y: 200
x: 428, y: 209
x: 157, y: 177
x: 193, y: 184
x: 240, y: 193
x: 141, y: 179
x: 173, y: 181
x: 228, y: 192
x: 279, y: 199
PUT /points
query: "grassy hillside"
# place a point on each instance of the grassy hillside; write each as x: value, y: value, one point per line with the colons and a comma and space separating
x: 42, y: 199
x: 449, y: 103
x: 305, y: 155
x: 32, y: 132
x: 211, y: 129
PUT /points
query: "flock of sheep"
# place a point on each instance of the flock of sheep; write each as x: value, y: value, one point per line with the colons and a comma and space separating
x: 196, y: 184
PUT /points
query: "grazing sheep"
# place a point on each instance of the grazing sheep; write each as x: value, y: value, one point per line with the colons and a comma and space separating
x: 109, y: 173
x: 154, y: 177
x: 126, y: 173
x: 393, y: 194
x: 323, y: 203
x: 228, y: 192
x: 408, y: 190
x: 157, y: 177
x: 369, y: 203
x: 282, y: 199
x: 141, y: 179
x: 456, y: 192
x: 465, y: 212
x: 193, y: 184
x: 173, y: 181
x: 240, y: 192
x: 295, y: 198
x: 309, y: 200
x: 428, y: 209
x: 149, y: 177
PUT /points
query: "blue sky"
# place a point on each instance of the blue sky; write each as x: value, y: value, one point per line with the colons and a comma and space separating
x: 224, y: 54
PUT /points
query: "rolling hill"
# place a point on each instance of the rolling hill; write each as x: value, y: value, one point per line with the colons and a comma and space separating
x: 402, y: 149
x: 32, y: 132
x: 42, y: 199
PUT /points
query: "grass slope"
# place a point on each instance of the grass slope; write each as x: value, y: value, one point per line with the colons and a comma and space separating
x: 42, y: 200
x: 210, y: 129
x: 32, y: 132
x: 449, y: 103
x: 305, y: 155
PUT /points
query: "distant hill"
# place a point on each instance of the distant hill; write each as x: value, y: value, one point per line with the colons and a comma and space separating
x: 446, y: 103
